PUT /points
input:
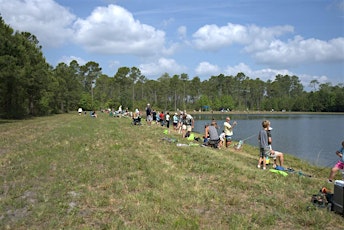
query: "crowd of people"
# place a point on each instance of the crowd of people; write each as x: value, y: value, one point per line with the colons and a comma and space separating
x: 183, y: 123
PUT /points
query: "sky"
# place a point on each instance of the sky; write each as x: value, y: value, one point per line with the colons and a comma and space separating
x: 203, y: 38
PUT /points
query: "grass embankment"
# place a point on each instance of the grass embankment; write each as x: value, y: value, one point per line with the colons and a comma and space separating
x: 75, y: 172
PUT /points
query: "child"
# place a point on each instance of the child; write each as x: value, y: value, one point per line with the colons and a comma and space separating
x: 222, y: 139
x: 264, y: 148
x: 339, y: 165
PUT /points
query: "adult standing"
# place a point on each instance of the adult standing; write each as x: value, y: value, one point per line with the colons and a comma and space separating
x: 149, y: 117
x: 190, y: 122
x: 228, y: 129
x: 175, y: 121
x: 167, y: 120
x: 154, y: 115
x: 162, y: 118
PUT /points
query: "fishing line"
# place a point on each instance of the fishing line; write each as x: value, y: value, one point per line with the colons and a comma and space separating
x: 249, y: 137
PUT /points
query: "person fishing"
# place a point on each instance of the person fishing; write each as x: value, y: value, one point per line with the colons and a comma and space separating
x: 228, y: 130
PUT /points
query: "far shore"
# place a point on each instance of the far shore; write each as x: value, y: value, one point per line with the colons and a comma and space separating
x: 261, y: 112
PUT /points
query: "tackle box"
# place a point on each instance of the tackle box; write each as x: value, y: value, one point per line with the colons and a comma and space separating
x: 338, y: 197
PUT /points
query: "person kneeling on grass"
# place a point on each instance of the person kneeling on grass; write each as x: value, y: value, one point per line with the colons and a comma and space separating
x: 339, y: 165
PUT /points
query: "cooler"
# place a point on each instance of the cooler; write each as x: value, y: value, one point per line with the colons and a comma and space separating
x: 338, y: 197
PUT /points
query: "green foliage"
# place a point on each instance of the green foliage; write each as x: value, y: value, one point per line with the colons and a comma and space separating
x: 30, y: 87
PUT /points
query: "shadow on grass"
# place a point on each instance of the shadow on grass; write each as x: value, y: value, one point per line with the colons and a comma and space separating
x: 3, y: 121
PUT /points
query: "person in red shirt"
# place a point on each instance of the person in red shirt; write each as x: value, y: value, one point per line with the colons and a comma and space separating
x: 162, y: 118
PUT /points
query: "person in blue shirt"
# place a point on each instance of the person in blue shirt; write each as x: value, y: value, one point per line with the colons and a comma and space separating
x: 339, y: 165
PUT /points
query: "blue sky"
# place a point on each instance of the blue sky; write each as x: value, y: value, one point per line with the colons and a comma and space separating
x: 261, y: 38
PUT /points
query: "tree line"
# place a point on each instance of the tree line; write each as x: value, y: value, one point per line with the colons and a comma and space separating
x: 29, y: 86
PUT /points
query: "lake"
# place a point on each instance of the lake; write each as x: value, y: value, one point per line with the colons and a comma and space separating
x: 311, y: 137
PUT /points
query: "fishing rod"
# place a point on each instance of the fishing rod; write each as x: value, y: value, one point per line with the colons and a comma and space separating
x: 241, y: 142
x: 249, y: 137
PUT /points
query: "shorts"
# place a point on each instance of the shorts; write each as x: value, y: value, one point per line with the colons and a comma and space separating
x: 189, y: 128
x: 175, y: 124
x: 149, y: 118
x: 264, y: 152
x: 274, y: 154
x: 339, y: 165
x: 228, y: 138
x: 184, y: 127
x: 221, y: 138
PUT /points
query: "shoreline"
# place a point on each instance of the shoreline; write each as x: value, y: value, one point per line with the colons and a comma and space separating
x: 263, y: 112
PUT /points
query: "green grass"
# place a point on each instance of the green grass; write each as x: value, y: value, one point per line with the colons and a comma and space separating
x: 75, y: 172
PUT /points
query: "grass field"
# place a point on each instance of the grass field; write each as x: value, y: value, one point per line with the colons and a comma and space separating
x: 77, y: 172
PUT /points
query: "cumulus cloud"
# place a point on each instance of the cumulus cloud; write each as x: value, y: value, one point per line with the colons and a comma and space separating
x: 213, y: 37
x: 47, y: 20
x: 68, y: 59
x: 263, y: 74
x: 299, y: 51
x: 163, y: 65
x: 262, y: 45
x: 113, y: 30
x: 270, y: 74
x: 205, y: 68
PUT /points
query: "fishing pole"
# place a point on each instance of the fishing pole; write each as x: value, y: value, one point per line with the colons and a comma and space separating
x: 241, y: 142
x: 249, y: 137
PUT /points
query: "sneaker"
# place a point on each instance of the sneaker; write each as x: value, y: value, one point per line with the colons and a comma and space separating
x: 329, y: 181
x: 274, y: 166
x: 258, y: 166
x: 264, y: 168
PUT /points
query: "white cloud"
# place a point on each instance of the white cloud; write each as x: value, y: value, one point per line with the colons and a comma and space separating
x: 113, y: 30
x: 182, y: 32
x: 163, y: 65
x: 240, y: 68
x: 113, y: 65
x: 306, y: 79
x: 299, y: 51
x: 47, y: 20
x: 205, y: 68
x: 262, y: 74
x: 68, y: 59
x: 270, y: 74
x: 213, y: 38
x: 262, y: 45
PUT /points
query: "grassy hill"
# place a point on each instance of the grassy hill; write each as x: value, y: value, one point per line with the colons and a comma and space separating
x: 77, y: 172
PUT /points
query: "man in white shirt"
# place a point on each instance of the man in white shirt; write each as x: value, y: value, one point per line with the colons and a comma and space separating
x: 228, y: 129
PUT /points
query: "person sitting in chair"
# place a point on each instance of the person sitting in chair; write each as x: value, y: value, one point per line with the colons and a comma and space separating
x: 136, y: 118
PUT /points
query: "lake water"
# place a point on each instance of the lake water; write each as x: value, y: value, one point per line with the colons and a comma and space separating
x: 311, y: 137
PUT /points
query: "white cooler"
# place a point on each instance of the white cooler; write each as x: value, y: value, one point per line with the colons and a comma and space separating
x: 338, y: 197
